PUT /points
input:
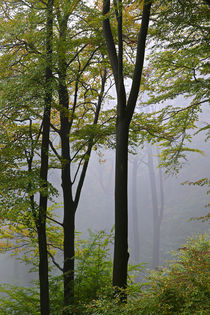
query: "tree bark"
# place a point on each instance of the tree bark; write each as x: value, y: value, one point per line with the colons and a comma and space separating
x: 41, y: 224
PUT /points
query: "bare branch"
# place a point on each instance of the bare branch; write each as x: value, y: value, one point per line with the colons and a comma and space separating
x: 55, y: 221
x: 54, y: 262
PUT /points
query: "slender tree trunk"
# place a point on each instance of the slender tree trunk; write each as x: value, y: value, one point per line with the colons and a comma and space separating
x: 41, y: 224
x: 69, y: 217
x: 135, y: 213
x: 43, y: 270
x: 69, y: 206
x: 156, y: 244
x: 69, y: 235
x: 157, y: 211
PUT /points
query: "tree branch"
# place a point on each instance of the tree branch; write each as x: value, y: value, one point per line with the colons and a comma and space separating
x: 54, y: 262
x: 136, y: 81
x: 55, y: 221
x: 109, y: 40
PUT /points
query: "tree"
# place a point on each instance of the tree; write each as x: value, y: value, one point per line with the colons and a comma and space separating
x: 74, y: 107
x: 134, y: 193
x: 157, y: 206
x: 41, y: 223
x: 19, y: 51
x: 125, y: 110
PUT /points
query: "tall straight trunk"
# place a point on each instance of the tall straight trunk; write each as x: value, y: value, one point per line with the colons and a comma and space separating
x: 156, y: 235
x: 156, y: 245
x: 43, y: 267
x: 125, y: 110
x: 136, y: 236
x: 121, y: 254
x: 69, y: 206
x: 41, y: 224
x: 157, y: 210
x: 69, y: 217
x: 69, y: 236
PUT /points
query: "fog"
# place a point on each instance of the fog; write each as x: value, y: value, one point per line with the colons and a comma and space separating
x: 160, y: 207
x: 180, y: 202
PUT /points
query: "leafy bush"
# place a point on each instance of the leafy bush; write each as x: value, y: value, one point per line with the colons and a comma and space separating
x: 18, y: 300
x: 180, y: 288
x: 93, y: 266
x: 183, y: 286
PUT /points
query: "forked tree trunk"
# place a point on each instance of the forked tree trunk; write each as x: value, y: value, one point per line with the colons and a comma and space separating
x: 125, y: 110
x: 70, y: 202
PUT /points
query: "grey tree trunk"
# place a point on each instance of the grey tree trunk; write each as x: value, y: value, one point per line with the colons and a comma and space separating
x: 135, y: 207
x: 157, y: 210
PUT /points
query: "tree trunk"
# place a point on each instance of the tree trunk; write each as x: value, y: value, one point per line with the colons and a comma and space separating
x: 69, y: 206
x: 135, y: 213
x: 69, y: 209
x: 156, y: 244
x: 68, y: 267
x: 156, y: 215
x: 41, y: 224
x: 68, y: 220
x: 43, y: 270
x: 121, y: 254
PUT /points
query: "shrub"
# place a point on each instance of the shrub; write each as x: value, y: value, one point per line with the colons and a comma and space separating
x: 182, y: 287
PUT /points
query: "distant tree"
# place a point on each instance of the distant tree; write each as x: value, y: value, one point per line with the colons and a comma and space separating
x: 135, y: 162
x: 157, y: 205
